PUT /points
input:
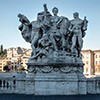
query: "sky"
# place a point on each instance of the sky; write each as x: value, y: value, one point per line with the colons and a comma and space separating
x: 10, y: 36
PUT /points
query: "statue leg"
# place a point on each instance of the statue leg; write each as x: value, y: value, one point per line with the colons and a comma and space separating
x: 63, y: 42
x: 34, y: 45
x: 80, y: 43
x: 54, y: 42
x: 63, y: 32
x: 73, y: 49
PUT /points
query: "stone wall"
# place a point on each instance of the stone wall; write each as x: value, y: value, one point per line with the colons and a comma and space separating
x: 93, y: 85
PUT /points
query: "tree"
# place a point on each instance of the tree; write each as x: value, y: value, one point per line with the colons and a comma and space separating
x: 3, y: 52
x: 8, y: 67
x: 1, y: 48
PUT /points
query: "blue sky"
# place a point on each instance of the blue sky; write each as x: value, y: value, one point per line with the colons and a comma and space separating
x: 10, y: 36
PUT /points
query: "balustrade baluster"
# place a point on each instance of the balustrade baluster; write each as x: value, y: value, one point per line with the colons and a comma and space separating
x: 1, y: 84
x: 14, y: 84
x: 5, y: 85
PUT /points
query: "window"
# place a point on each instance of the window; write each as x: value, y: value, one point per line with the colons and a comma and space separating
x: 96, y: 62
x: 86, y: 62
x: 96, y: 56
x: 96, y: 69
x: 87, y: 56
x: 86, y: 70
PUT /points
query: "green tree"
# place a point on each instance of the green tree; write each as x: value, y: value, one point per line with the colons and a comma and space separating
x: 3, y: 52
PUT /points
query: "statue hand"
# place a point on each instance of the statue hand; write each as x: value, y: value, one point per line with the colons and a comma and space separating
x: 45, y: 5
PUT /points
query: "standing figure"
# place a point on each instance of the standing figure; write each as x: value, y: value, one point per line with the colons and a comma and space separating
x: 77, y: 29
x: 63, y: 24
x: 46, y: 19
x: 37, y: 33
x: 55, y: 35
x: 39, y: 28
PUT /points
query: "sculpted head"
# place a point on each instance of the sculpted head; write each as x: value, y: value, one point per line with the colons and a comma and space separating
x: 19, y: 15
x: 76, y: 15
x: 40, y: 17
x: 55, y: 11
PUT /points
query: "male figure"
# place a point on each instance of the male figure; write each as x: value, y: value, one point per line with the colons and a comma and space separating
x: 36, y: 33
x: 63, y: 24
x: 39, y: 28
x: 77, y: 28
x: 54, y: 31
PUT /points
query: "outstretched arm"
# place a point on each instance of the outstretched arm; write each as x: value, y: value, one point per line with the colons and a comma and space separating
x: 85, y: 23
x: 23, y: 19
x: 45, y: 7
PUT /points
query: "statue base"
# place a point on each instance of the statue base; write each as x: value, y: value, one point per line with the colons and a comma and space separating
x: 58, y: 78
x: 55, y: 84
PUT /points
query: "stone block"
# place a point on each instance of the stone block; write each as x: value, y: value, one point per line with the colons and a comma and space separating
x: 91, y: 86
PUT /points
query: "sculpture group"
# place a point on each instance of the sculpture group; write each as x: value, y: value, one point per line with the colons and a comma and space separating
x: 53, y: 35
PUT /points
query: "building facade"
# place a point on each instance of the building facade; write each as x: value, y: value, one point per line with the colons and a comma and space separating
x: 3, y: 62
x: 91, y: 59
x: 97, y: 61
x: 88, y: 59
x: 17, y: 58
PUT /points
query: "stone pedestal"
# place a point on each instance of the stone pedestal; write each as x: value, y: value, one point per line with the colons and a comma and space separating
x: 58, y: 79
x: 55, y: 84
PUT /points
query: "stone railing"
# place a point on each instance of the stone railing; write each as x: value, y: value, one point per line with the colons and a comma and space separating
x: 23, y: 83
x: 11, y: 82
x: 7, y: 85
x: 93, y: 85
